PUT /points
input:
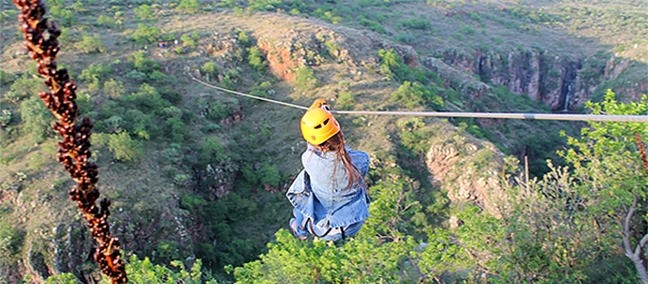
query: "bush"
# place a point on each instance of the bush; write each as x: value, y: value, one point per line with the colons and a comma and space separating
x: 143, y: 64
x: 414, y: 94
x: 143, y: 12
x: 91, y: 44
x: 189, y: 6
x: 23, y: 87
x: 211, y: 151
x: 269, y: 175
x: 36, y: 119
x: 305, y: 79
x: 95, y: 72
x: 190, y: 40
x: 345, y: 100
x: 106, y: 21
x: 123, y: 147
x: 5, y: 118
x: 256, y: 59
x: 146, y: 34
x: 10, y: 242
x: 113, y: 88
x: 417, y: 24
x: 209, y: 68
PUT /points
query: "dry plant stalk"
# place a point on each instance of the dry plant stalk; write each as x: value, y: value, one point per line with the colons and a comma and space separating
x: 74, y: 149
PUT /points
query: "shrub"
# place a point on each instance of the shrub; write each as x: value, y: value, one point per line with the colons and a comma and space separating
x: 5, y: 118
x: 190, y: 40
x: 113, y: 88
x: 414, y: 94
x: 209, y: 68
x: 372, y: 25
x: 91, y: 44
x: 345, y: 100
x: 145, y: 34
x: 10, y: 242
x: 23, y: 87
x: 123, y: 147
x: 211, y: 151
x: 417, y: 24
x: 106, y: 21
x: 143, y: 12
x: 305, y: 79
x: 263, y: 5
x: 143, y: 64
x: 189, y: 6
x: 36, y: 119
x: 95, y: 72
x: 6, y: 78
x: 269, y: 175
x: 255, y: 59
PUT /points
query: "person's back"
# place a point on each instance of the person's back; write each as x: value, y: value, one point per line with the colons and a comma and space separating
x: 333, y: 173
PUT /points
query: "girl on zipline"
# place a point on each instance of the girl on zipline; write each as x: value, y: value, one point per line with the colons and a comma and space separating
x: 329, y: 196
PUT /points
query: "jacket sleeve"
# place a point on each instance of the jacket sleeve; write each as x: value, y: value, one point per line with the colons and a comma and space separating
x: 360, y: 160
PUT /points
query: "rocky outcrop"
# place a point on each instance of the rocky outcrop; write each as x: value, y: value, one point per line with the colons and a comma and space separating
x: 560, y: 82
x: 467, y: 169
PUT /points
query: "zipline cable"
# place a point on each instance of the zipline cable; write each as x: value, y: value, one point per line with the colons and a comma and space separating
x: 496, y: 115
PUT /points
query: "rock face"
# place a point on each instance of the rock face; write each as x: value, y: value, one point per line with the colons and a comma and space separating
x: 560, y: 82
x: 467, y: 168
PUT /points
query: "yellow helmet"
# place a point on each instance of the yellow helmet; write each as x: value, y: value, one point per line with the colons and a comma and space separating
x: 318, y: 125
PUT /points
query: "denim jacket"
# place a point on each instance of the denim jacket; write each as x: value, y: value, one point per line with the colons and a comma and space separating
x: 320, y: 190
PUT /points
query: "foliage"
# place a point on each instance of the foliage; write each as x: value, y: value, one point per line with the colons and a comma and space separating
x: 305, y: 78
x: 263, y: 5
x: 189, y: 6
x: 5, y: 118
x: 113, y: 88
x: 91, y: 44
x: 23, y: 87
x: 256, y: 59
x: 414, y: 94
x: 142, y: 63
x: 123, y: 147
x: 146, y: 34
x: 345, y: 100
x: 190, y: 40
x: 143, y: 12
x: 36, y: 119
x: 210, y: 68
x: 269, y: 175
x: 144, y: 271
x: 417, y: 24
x: 10, y: 243
x: 211, y: 151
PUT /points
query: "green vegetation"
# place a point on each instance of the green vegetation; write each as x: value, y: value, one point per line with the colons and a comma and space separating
x: 197, y: 177
x: 305, y: 78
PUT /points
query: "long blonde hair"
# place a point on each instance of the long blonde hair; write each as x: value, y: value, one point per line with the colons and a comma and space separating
x: 336, y: 144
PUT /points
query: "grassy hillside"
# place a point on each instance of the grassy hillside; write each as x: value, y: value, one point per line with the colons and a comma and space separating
x: 196, y: 173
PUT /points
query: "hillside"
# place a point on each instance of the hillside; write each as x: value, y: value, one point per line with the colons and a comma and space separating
x: 195, y: 173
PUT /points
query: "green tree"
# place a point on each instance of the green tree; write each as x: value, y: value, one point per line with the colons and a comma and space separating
x: 143, y: 12
x: 146, y: 34
x: 415, y: 94
x: 305, y: 78
x: 90, y: 44
x: 189, y: 6
x: 256, y: 59
x: 123, y: 147
x: 145, y: 271
x: 113, y: 88
x: 36, y: 119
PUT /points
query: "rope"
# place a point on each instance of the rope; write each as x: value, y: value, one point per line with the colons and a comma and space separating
x: 496, y: 115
